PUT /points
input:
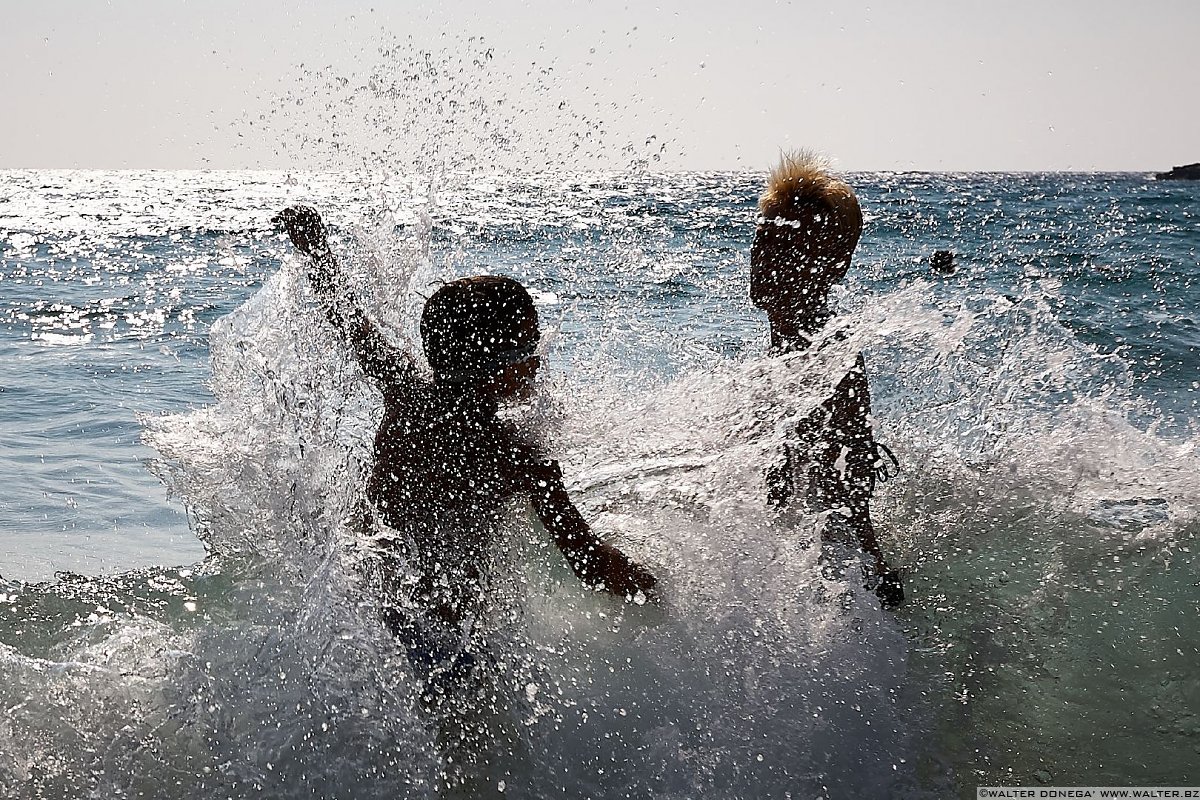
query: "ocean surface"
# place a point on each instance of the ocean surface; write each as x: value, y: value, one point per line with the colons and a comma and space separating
x: 183, y: 609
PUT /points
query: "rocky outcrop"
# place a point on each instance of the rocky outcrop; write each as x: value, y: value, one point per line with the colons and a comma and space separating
x: 1189, y: 172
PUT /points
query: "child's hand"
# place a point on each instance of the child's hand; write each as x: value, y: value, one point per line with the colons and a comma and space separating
x: 890, y: 588
x: 308, y: 233
x: 608, y: 566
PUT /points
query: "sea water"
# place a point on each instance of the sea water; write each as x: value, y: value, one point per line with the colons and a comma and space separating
x: 183, y: 608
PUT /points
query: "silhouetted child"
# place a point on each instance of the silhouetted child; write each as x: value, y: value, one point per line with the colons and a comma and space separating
x: 809, y: 227
x: 445, y: 462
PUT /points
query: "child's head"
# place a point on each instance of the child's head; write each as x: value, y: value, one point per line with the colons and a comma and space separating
x: 809, y: 228
x: 482, y: 330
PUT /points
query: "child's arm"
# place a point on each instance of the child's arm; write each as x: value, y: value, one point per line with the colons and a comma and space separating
x: 853, y: 444
x: 376, y: 355
x: 863, y: 464
x: 594, y: 561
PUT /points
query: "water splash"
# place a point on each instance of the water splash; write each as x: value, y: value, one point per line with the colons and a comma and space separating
x: 461, y: 105
x: 1047, y: 521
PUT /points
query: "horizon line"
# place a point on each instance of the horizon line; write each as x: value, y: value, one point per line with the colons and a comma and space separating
x: 616, y: 170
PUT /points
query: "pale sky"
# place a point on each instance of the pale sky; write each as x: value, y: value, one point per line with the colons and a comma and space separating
x: 921, y: 84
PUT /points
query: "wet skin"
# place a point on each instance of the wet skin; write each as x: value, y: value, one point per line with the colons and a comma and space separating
x: 792, y: 269
x: 445, y: 463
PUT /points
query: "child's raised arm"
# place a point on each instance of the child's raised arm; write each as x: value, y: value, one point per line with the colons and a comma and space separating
x: 377, y: 356
x: 593, y: 560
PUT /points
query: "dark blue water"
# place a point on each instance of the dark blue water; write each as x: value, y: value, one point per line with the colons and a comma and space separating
x: 1042, y: 399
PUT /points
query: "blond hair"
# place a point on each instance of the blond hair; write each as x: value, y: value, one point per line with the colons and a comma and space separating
x: 807, y: 234
x: 801, y: 185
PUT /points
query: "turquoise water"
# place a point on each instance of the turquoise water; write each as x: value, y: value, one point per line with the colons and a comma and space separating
x: 179, y: 615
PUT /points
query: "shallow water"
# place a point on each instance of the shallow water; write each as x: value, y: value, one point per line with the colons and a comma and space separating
x: 1042, y: 401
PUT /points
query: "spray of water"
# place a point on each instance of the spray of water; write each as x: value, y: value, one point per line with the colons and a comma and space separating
x: 1043, y: 525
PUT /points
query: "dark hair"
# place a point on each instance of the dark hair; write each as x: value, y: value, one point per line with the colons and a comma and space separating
x: 942, y: 261
x: 473, y: 327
